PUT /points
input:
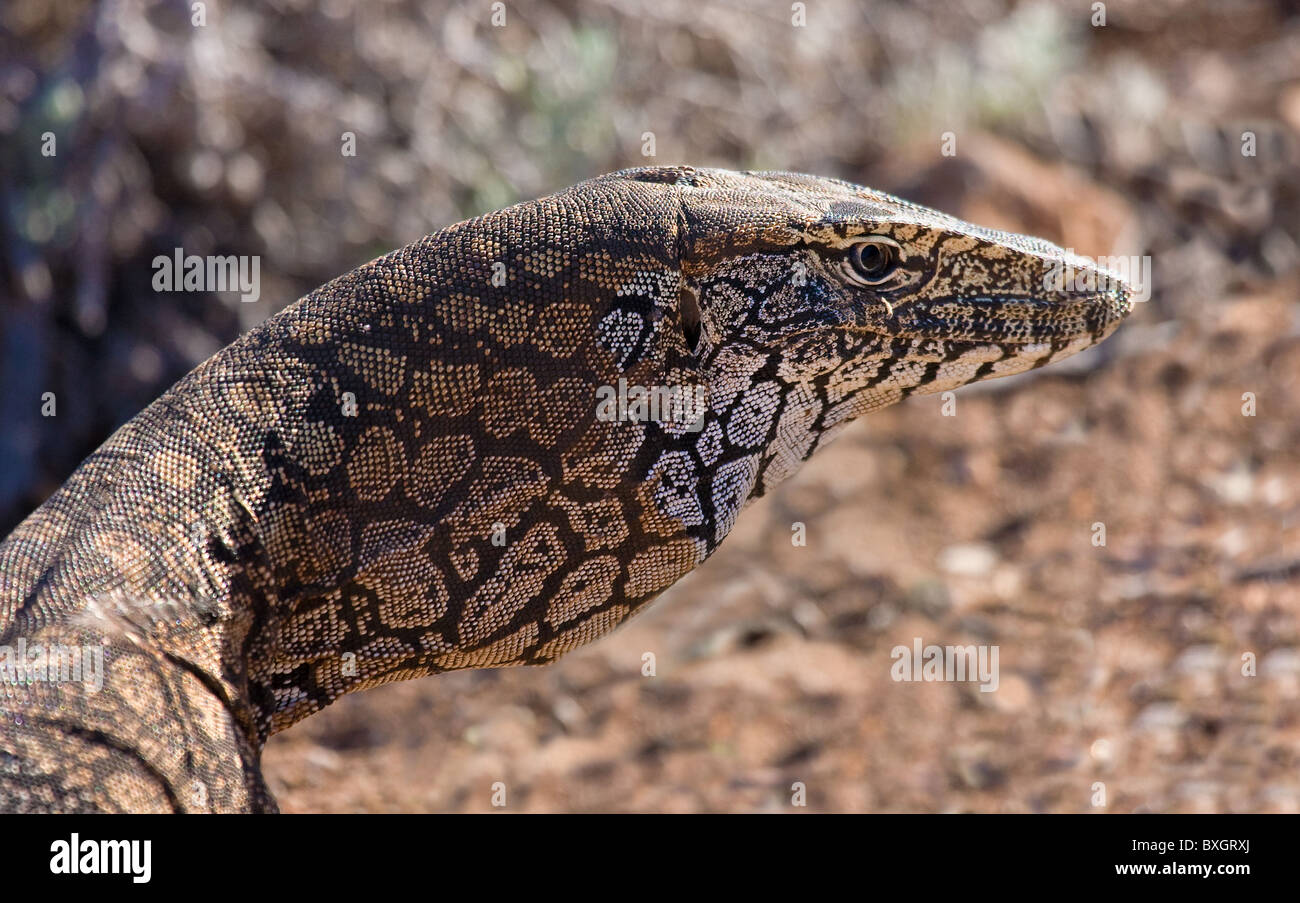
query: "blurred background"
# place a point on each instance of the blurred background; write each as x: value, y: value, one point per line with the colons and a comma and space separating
x: 1121, y: 665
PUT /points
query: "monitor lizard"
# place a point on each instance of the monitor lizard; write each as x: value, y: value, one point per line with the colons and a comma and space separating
x: 484, y: 449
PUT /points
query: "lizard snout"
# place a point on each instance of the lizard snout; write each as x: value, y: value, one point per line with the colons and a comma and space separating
x: 1098, y: 295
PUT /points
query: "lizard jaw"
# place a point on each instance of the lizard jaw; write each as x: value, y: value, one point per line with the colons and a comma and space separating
x: 1015, y: 320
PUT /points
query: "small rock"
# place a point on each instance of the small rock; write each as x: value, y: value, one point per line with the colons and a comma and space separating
x: 1160, y: 716
x: 1199, y: 661
x: 968, y: 560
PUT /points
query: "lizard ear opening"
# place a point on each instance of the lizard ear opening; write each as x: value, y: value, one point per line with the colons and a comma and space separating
x: 688, y: 312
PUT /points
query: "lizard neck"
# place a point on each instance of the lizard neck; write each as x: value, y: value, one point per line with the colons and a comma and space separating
x: 151, y: 563
x: 155, y: 542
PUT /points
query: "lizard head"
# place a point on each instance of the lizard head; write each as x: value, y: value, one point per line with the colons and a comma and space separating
x: 872, y: 297
x: 807, y: 302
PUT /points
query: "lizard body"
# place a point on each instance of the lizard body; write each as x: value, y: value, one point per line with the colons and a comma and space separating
x: 408, y: 471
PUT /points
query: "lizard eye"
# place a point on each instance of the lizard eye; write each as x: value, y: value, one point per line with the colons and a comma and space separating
x: 873, y: 260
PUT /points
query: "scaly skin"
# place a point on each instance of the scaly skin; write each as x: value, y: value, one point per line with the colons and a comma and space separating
x: 407, y: 472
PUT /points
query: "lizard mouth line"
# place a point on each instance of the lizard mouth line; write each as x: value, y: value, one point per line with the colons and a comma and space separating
x: 1013, y: 320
